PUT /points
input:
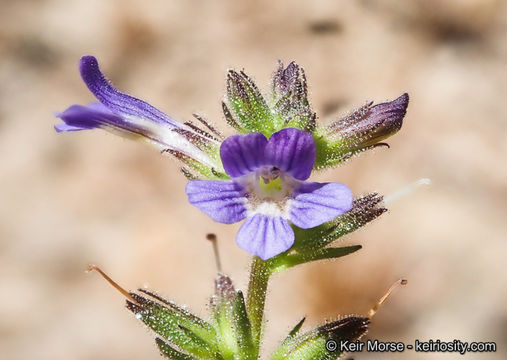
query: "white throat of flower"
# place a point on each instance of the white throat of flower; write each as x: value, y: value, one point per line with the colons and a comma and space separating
x: 269, y: 192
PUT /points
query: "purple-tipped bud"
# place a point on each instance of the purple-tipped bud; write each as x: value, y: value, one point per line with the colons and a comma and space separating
x: 287, y: 79
x: 290, y: 95
x: 369, y: 124
x: 224, y: 290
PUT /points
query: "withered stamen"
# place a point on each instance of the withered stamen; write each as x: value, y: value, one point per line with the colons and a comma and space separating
x: 213, y: 239
x: 375, y: 308
x: 92, y: 267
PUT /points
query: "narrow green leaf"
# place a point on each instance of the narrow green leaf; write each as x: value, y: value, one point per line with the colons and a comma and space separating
x: 170, y: 352
x: 242, y: 328
x: 296, y: 328
x: 291, y: 260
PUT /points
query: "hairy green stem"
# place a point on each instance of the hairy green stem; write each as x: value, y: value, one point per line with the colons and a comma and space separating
x: 256, y: 298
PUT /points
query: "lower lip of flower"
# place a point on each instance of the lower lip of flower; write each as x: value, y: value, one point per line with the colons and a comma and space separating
x: 269, y: 208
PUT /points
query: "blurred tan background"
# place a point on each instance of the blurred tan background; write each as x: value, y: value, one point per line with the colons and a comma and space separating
x: 68, y: 200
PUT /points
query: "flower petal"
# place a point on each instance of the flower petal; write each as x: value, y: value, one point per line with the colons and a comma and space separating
x: 161, y: 135
x: 223, y: 201
x: 265, y: 236
x: 115, y: 100
x: 316, y: 203
x: 93, y: 116
x: 242, y: 154
x: 133, y: 118
x: 293, y: 151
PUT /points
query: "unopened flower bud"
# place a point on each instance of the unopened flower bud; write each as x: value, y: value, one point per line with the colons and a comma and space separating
x: 364, y: 129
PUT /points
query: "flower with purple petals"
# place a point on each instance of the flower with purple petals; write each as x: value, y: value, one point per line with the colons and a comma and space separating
x: 269, y: 190
x: 133, y: 118
x: 267, y: 164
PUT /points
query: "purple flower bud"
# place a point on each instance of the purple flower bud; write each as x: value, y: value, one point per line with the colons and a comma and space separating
x: 287, y: 79
x: 290, y: 96
x: 369, y: 124
x: 224, y: 290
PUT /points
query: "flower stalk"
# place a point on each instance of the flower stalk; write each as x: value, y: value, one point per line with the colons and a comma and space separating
x: 256, y: 298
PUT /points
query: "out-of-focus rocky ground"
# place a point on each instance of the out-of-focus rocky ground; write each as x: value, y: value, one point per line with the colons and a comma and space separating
x: 68, y: 200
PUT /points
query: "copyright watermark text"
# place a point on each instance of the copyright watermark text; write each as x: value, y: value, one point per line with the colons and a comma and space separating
x: 457, y: 346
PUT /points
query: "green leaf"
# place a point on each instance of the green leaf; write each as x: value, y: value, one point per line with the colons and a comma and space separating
x: 288, y: 261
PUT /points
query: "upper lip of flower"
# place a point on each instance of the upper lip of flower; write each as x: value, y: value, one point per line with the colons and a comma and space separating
x: 132, y: 117
x: 289, y: 155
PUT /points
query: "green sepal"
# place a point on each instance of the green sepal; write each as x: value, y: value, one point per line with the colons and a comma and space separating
x: 242, y: 328
x: 249, y: 106
x: 312, y: 244
x: 195, y: 169
x: 175, y: 324
x: 230, y: 120
x: 171, y: 353
x: 295, y: 330
x: 312, y: 345
x: 334, y: 151
x: 364, y: 210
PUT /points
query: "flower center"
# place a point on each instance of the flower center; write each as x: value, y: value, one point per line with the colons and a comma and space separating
x: 268, y: 184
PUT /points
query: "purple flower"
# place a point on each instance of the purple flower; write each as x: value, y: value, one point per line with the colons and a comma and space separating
x: 133, y: 118
x: 269, y: 190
